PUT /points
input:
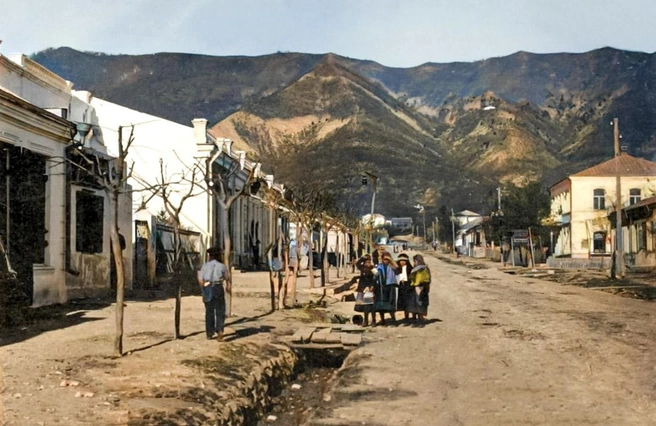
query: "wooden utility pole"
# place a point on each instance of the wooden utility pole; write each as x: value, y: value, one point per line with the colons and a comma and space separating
x: 453, y: 231
x: 530, y: 243
x: 618, y: 271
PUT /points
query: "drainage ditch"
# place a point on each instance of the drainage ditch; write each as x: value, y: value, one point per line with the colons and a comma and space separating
x: 307, y: 389
x: 244, y: 384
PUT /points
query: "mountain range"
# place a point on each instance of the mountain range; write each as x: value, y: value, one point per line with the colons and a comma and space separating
x: 435, y: 134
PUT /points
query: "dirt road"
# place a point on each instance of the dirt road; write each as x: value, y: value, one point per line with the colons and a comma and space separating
x: 506, y: 351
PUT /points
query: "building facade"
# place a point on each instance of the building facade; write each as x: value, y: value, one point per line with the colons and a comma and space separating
x: 581, y: 202
x: 58, y: 247
x: 638, y: 233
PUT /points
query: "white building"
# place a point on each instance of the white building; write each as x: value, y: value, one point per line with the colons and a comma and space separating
x: 58, y: 245
x: 165, y: 152
x: 580, y: 204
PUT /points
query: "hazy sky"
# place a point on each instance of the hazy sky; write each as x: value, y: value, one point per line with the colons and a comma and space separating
x: 393, y: 32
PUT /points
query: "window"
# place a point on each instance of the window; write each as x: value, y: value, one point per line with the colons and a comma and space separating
x: 599, y: 242
x: 88, y: 223
x: 599, y: 201
x: 634, y: 195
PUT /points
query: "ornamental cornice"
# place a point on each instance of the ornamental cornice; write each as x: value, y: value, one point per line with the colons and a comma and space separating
x: 36, y: 73
x: 35, y: 121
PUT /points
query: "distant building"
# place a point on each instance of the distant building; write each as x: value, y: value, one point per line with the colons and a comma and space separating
x: 580, y: 204
x: 401, y: 225
x: 463, y: 218
x: 376, y: 220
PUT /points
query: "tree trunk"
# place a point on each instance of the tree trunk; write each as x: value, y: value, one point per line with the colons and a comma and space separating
x: 310, y: 258
x: 282, y: 285
x: 338, y: 260
x: 272, y: 287
x: 356, y: 245
x: 283, y: 258
x: 324, y: 260
x: 177, y: 275
x: 227, y: 255
x: 291, y: 282
x: 120, y: 274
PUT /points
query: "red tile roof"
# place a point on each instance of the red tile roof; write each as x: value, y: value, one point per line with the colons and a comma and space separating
x: 641, y: 203
x: 625, y: 165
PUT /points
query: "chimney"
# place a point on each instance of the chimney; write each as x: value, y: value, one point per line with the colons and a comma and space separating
x: 200, y: 130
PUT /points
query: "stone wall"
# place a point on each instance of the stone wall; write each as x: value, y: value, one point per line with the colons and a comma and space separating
x: 572, y: 263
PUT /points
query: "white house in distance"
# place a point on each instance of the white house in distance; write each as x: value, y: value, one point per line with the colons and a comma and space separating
x: 580, y: 204
x: 463, y: 218
x: 376, y: 220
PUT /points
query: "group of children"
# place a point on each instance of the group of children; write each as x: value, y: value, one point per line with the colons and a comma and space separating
x: 388, y: 286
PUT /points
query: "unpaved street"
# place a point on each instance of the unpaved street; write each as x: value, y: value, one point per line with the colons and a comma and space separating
x: 500, y: 350
x: 506, y: 351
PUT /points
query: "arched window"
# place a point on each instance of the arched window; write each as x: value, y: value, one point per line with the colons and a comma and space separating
x: 634, y: 195
x: 599, y: 200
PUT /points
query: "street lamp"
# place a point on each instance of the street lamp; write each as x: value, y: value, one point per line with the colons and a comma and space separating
x: 422, y: 210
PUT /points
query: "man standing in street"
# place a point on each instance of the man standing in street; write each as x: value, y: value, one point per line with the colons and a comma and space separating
x: 212, y: 278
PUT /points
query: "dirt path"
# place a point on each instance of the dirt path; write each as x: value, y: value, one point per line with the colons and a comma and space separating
x: 59, y: 370
x: 507, y: 350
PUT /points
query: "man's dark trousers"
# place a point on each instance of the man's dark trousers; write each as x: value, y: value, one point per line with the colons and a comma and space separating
x: 215, y: 310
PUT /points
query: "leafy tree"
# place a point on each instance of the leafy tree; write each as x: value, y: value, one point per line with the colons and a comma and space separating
x: 445, y: 225
x: 523, y: 208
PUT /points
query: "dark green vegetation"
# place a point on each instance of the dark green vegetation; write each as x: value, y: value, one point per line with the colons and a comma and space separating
x: 458, y: 130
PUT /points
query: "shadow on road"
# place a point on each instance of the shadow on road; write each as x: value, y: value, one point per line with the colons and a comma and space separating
x: 31, y: 322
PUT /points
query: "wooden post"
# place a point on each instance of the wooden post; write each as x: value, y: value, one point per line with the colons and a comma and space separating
x: 337, y: 253
x: 116, y: 247
x: 530, y: 242
x: 619, y: 241
x: 512, y: 250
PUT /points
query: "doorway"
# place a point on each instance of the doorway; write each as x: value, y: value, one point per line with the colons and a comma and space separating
x: 23, y: 180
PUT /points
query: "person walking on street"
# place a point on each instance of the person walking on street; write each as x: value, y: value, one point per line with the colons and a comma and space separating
x: 420, y: 279
x: 212, y: 278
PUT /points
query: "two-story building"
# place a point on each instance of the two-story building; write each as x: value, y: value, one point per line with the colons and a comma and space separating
x: 580, y: 204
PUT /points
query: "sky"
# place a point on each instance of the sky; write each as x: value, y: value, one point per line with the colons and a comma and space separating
x: 397, y: 33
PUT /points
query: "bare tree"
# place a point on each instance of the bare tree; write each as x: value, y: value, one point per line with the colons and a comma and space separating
x: 221, y: 180
x: 272, y: 199
x: 309, y: 202
x: 111, y: 175
x: 173, y: 198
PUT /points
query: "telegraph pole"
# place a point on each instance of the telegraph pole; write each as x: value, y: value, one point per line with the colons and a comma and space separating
x: 618, y: 271
x: 453, y: 230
